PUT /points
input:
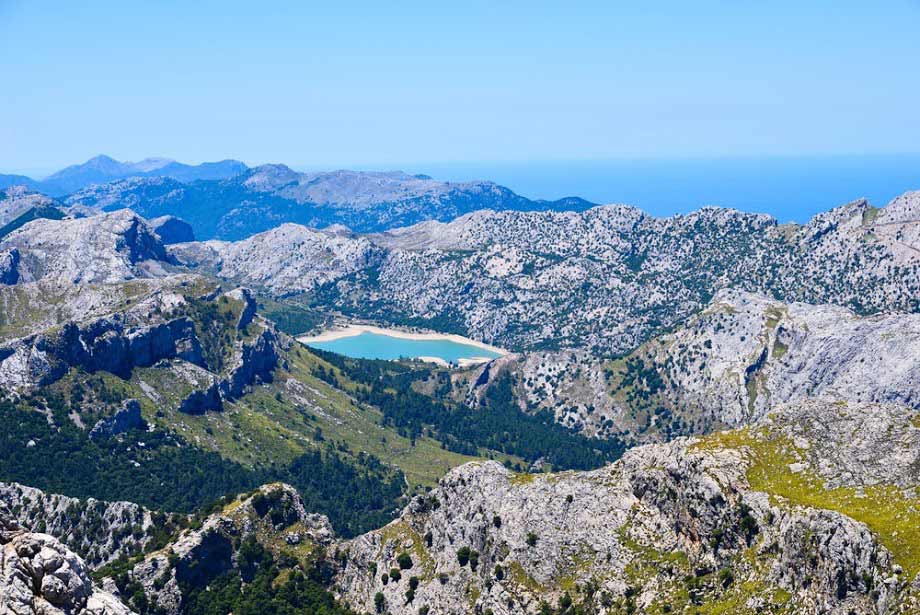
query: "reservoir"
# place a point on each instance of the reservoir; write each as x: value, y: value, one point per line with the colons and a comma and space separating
x: 365, y: 342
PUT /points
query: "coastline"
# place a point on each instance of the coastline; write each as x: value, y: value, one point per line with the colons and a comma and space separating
x: 355, y: 329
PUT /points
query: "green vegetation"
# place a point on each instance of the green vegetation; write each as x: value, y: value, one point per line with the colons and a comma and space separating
x: 263, y: 583
x: 162, y: 471
x: 292, y: 318
x: 500, y: 426
x: 892, y: 514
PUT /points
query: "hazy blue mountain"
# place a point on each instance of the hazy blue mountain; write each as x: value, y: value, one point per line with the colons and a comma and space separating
x: 102, y: 169
x: 7, y: 181
x: 267, y: 196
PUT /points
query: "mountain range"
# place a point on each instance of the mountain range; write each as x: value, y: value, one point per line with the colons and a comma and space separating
x: 102, y: 169
x: 226, y: 200
x: 705, y: 413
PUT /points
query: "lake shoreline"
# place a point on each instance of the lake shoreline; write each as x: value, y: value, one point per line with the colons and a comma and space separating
x: 353, y: 330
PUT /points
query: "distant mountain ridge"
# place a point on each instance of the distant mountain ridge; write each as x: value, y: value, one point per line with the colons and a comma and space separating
x: 267, y: 196
x: 102, y: 169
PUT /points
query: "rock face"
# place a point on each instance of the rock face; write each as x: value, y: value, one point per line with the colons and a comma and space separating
x: 9, y: 266
x: 692, y: 522
x: 290, y: 258
x: 107, y: 344
x: 125, y: 419
x: 100, y: 249
x: 40, y: 575
x: 724, y: 367
x: 171, y: 229
x: 16, y: 200
x: 99, y: 532
x: 273, y: 515
x: 207, y: 358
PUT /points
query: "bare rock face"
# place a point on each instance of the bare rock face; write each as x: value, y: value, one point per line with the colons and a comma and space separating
x: 97, y: 531
x: 108, y: 344
x: 106, y: 248
x: 125, y: 419
x: 40, y: 575
x: 161, y: 330
x: 692, y: 522
x: 726, y: 366
x: 9, y: 266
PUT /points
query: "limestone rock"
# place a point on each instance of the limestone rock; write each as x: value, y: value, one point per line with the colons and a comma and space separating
x: 127, y: 418
x: 40, y: 575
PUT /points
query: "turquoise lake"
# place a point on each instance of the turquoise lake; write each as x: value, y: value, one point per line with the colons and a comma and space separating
x: 368, y: 345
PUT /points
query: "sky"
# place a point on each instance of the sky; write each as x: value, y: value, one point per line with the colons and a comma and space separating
x: 361, y: 84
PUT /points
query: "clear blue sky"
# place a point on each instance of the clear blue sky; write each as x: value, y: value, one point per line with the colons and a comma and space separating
x: 354, y: 84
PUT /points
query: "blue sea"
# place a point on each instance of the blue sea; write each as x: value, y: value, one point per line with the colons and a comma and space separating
x: 788, y: 188
x: 368, y: 345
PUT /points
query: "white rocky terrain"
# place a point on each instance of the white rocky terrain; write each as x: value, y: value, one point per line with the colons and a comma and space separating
x: 16, y: 200
x: 96, y: 530
x: 707, y: 522
x: 101, y: 249
x: 724, y: 367
x: 40, y: 575
x: 310, y: 258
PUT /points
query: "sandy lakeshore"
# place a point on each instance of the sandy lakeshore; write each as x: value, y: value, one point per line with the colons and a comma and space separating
x: 355, y: 329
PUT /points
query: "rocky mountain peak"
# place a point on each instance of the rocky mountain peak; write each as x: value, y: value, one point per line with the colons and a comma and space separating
x: 109, y: 247
x: 268, y: 177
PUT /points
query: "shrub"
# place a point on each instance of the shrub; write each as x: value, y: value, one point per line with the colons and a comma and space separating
x: 531, y: 539
x: 463, y: 555
x: 404, y: 560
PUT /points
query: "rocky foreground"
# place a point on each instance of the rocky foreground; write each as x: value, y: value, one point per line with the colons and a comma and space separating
x: 811, y: 510
x: 40, y: 575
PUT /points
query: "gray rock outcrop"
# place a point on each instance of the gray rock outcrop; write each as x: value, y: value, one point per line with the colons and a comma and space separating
x: 691, y: 522
x: 125, y: 419
x: 40, y: 575
x: 9, y: 266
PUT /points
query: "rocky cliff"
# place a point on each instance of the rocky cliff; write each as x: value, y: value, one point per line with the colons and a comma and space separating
x: 99, y: 532
x: 215, y: 345
x: 272, y: 517
x: 100, y: 249
x: 744, y: 522
x: 40, y: 575
x: 811, y: 510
